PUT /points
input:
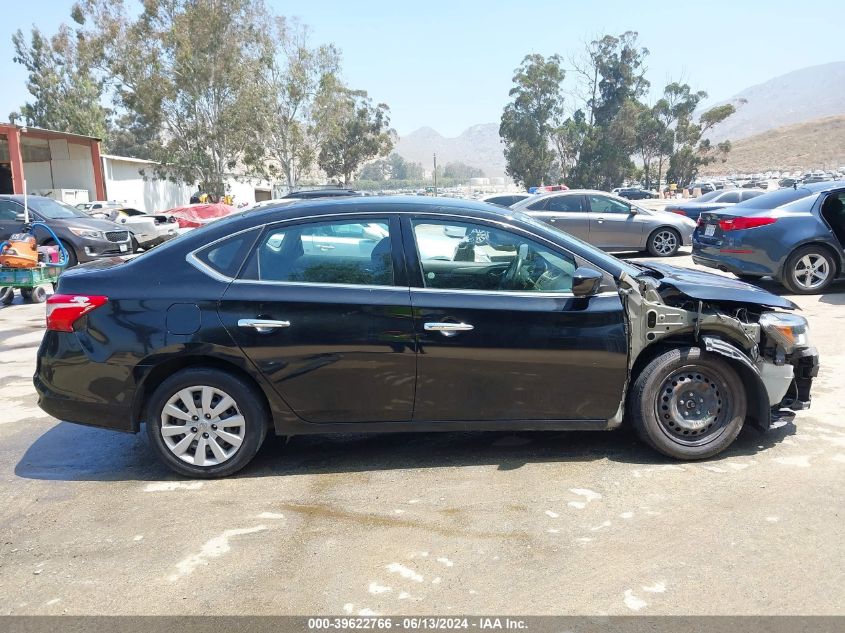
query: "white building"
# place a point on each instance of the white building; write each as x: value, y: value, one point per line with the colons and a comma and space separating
x: 135, y: 182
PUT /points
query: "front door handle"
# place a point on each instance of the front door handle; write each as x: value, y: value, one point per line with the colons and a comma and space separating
x: 448, y: 329
x: 263, y: 326
x: 325, y: 247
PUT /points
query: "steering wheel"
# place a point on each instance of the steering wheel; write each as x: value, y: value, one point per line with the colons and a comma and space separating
x: 510, y: 276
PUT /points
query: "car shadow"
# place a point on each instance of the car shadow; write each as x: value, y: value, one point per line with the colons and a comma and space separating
x: 69, y: 452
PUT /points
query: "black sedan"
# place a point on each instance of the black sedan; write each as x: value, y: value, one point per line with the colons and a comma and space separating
x: 406, y: 314
x: 635, y: 193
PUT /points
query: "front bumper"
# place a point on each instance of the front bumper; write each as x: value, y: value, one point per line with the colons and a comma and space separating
x: 88, y: 249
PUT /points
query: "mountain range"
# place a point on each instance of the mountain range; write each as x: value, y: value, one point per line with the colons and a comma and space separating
x: 800, y: 96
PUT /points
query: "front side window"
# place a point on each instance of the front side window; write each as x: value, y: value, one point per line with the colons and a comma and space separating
x: 601, y: 204
x: 468, y: 256
x: 335, y: 252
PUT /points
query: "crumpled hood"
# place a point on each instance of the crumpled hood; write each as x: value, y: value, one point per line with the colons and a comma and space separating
x: 712, y: 287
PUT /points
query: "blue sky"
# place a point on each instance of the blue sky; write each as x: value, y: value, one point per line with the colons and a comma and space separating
x: 448, y: 65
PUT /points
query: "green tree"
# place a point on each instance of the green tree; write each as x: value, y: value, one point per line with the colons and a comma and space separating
x: 531, y: 118
x: 295, y: 76
x: 360, y: 132
x: 461, y: 171
x: 186, y: 69
x: 614, y: 70
x: 66, y: 92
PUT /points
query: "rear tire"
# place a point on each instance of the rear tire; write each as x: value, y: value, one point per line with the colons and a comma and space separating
x: 688, y: 404
x: 7, y: 295
x: 809, y: 270
x: 38, y: 294
x: 664, y: 242
x: 214, y: 422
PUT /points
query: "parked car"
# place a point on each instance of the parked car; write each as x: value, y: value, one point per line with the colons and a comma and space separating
x: 506, y: 199
x: 635, y: 193
x: 148, y: 230
x: 310, y: 194
x: 85, y: 238
x: 713, y: 201
x: 610, y: 222
x: 240, y: 329
x: 796, y: 235
x: 98, y: 204
x: 194, y: 215
x: 705, y: 186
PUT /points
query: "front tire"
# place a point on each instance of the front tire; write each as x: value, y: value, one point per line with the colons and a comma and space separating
x: 688, y: 404
x: 206, y: 423
x: 664, y: 242
x: 809, y: 270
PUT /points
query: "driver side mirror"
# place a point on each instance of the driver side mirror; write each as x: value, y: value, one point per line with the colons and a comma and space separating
x: 586, y: 282
x: 20, y: 217
x: 632, y: 210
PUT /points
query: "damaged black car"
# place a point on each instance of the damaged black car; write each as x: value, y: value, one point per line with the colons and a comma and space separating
x: 401, y: 314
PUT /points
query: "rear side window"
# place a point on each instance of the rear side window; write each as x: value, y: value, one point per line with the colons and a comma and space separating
x: 732, y: 197
x: 747, y: 195
x: 227, y: 256
x: 340, y: 252
x: 566, y: 203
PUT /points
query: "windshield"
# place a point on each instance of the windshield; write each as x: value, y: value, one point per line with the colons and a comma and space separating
x: 53, y: 210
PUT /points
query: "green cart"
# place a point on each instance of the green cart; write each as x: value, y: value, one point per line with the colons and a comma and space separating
x: 30, y: 281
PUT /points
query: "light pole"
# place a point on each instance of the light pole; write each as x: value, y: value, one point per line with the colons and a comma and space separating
x: 435, y: 175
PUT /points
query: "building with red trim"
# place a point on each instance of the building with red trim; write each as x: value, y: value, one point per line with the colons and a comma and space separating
x: 49, y: 161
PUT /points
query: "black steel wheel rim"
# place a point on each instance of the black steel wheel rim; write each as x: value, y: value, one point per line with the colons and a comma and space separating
x: 692, y: 405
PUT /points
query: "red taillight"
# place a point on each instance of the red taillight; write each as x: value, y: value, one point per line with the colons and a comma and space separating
x: 65, y: 310
x: 739, y: 224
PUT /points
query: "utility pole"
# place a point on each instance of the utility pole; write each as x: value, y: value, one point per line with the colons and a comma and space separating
x: 435, y: 175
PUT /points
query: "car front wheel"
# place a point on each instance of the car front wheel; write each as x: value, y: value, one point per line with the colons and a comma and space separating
x: 205, y: 422
x: 664, y: 242
x: 809, y: 270
x: 688, y: 404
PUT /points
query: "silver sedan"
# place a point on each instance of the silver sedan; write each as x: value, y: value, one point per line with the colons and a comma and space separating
x: 610, y: 222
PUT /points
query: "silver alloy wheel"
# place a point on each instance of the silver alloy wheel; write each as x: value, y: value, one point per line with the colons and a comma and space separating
x: 811, y: 271
x: 665, y: 242
x: 202, y: 425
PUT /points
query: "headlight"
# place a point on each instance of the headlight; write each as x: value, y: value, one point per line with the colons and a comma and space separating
x: 789, y: 331
x: 96, y: 235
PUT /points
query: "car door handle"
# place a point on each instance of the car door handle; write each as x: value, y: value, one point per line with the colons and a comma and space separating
x: 325, y: 247
x: 448, y: 329
x: 599, y: 220
x: 263, y: 326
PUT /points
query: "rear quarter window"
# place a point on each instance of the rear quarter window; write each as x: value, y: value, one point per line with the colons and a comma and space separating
x: 227, y: 256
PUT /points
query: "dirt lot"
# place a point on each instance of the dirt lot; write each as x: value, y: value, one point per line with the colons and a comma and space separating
x: 529, y: 523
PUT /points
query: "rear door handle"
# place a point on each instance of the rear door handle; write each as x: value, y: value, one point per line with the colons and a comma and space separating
x: 263, y: 326
x: 447, y: 329
x: 325, y: 247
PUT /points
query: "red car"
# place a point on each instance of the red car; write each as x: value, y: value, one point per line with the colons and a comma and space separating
x: 194, y: 215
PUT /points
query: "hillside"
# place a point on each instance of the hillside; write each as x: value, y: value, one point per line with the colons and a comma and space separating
x: 802, y: 95
x: 810, y: 145
x: 478, y: 146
